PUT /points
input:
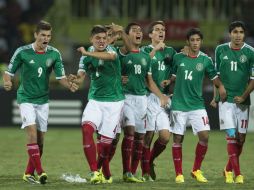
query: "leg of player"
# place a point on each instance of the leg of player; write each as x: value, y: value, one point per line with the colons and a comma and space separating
x: 34, y: 157
x: 177, y: 157
x: 241, y: 140
x: 89, y: 148
x: 200, y: 153
x: 158, y: 147
x: 146, y: 155
x: 127, y: 147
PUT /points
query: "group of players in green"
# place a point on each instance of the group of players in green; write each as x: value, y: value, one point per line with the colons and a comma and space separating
x: 129, y: 91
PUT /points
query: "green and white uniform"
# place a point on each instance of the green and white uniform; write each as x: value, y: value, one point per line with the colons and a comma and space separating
x: 161, y: 64
x: 236, y: 68
x: 105, y: 93
x: 35, y: 69
x: 135, y: 65
x: 188, y: 103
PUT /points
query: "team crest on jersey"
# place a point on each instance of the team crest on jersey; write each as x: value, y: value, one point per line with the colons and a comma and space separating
x: 101, y: 62
x: 199, y: 66
x: 143, y: 62
x: 243, y: 58
x: 49, y: 62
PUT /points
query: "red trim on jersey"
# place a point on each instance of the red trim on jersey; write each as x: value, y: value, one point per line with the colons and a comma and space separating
x: 135, y: 51
x: 235, y: 49
x: 192, y: 56
x: 37, y: 52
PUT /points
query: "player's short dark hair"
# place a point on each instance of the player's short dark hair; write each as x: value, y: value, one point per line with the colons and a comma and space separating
x: 98, y: 29
x: 150, y: 28
x: 194, y: 31
x: 128, y: 27
x: 235, y: 24
x: 43, y: 25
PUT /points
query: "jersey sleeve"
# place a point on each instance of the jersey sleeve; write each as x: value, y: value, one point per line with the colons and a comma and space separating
x: 252, y: 65
x: 217, y: 59
x: 58, y: 67
x: 174, y: 65
x: 210, y: 70
x: 15, y: 63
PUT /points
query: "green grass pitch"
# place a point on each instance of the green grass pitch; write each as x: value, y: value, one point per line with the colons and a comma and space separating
x: 63, y: 153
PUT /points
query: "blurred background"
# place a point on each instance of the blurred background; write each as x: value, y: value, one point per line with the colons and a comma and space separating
x: 72, y: 21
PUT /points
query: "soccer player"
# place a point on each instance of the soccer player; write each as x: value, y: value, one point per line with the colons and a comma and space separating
x: 157, y: 118
x: 102, y: 112
x: 36, y: 61
x: 188, y: 104
x: 136, y: 65
x: 235, y: 67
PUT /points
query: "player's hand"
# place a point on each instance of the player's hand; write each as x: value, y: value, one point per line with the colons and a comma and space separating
x: 185, y: 50
x: 159, y: 46
x: 238, y: 99
x: 116, y: 28
x: 73, y: 87
x: 72, y: 78
x: 213, y: 103
x: 165, y: 83
x: 164, y: 101
x: 125, y: 79
x: 7, y: 85
x: 82, y: 50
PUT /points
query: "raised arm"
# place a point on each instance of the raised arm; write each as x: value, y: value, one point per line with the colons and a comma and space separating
x: 98, y: 55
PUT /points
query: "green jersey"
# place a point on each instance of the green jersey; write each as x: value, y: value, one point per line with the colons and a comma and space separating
x: 190, y: 72
x: 105, y: 77
x: 35, y: 69
x: 236, y: 68
x: 161, y: 65
x: 136, y: 65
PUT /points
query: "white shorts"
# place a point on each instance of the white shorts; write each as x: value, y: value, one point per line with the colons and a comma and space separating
x: 198, y: 119
x: 34, y: 114
x: 233, y: 116
x: 134, y: 112
x: 157, y: 118
x: 105, y: 116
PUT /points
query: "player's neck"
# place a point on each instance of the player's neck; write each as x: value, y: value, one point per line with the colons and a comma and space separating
x: 39, y: 49
x: 236, y: 46
x: 193, y: 54
x: 135, y: 48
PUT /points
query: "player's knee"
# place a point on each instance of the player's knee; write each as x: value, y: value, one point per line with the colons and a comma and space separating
x: 178, y: 138
x: 164, y: 137
x: 231, y: 132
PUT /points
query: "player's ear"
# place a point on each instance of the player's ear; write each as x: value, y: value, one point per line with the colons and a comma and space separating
x: 35, y: 35
x: 187, y: 42
x: 150, y: 35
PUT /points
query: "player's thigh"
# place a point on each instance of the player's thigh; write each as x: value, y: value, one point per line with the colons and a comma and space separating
x: 28, y: 115
x: 111, y: 113
x: 92, y: 113
x: 153, y: 109
x: 162, y: 121
x: 178, y: 121
x: 227, y: 115
x: 242, y: 115
x: 199, y: 121
x: 42, y: 112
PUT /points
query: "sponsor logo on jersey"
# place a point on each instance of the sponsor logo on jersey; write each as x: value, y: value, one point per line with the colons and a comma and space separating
x: 49, y: 62
x: 32, y: 61
x: 243, y: 58
x: 154, y: 58
x: 221, y: 121
x: 182, y: 65
x: 129, y: 62
x: 225, y: 57
x: 199, y: 66
x: 143, y: 61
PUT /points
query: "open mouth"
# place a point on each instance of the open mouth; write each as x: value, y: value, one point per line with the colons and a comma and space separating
x: 45, y: 43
